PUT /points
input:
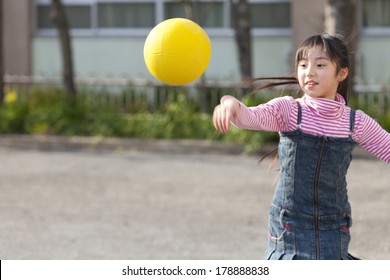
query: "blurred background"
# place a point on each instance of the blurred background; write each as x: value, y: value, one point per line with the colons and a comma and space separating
x: 94, y: 50
x: 72, y: 74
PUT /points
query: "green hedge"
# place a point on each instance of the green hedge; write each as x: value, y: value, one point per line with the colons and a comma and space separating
x: 50, y: 111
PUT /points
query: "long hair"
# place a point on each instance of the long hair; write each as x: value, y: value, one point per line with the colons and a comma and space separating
x: 333, y: 46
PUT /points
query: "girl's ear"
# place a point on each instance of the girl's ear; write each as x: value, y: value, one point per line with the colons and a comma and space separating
x: 343, y: 74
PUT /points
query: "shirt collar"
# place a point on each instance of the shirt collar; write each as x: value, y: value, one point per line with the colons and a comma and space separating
x: 326, y: 108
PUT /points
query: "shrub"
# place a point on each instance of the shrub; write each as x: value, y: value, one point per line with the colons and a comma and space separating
x: 50, y: 111
x: 53, y: 112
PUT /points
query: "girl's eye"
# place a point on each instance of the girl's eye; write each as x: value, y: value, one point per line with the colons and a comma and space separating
x: 302, y: 65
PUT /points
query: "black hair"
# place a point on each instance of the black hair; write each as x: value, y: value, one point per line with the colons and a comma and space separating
x: 333, y: 46
x: 336, y: 50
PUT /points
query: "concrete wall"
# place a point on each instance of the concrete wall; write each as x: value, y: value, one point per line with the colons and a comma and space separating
x: 374, y: 60
x: 17, y: 37
x: 94, y: 56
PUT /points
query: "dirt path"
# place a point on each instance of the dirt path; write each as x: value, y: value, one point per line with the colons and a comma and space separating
x: 140, y: 205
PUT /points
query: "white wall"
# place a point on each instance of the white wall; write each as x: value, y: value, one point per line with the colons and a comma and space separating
x: 374, y: 66
x: 123, y: 57
x: 117, y: 57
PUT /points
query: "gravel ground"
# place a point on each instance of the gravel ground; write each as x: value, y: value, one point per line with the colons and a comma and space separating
x: 79, y: 199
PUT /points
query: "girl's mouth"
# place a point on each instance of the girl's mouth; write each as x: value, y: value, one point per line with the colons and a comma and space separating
x: 311, y: 84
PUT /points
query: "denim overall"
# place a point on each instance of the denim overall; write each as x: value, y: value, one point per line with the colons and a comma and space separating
x: 310, y: 215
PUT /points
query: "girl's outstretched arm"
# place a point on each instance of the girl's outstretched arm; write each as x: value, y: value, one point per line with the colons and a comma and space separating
x: 279, y: 114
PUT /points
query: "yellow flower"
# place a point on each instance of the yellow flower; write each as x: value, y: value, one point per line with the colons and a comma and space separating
x: 11, y: 97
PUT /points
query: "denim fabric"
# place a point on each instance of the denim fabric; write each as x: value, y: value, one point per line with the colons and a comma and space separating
x: 310, y: 215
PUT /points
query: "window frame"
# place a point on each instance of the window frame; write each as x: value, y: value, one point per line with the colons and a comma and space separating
x: 271, y: 31
x: 371, y: 31
x: 74, y: 31
x: 95, y: 31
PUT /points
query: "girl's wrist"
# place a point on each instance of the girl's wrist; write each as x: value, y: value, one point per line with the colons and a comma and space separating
x: 232, y: 100
x: 226, y: 97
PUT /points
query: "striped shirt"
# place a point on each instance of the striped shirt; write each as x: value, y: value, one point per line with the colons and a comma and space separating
x: 320, y: 116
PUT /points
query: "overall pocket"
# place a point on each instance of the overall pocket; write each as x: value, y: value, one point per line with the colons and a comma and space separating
x: 281, y: 242
x: 345, y: 238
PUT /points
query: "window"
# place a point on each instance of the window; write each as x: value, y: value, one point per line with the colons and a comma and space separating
x: 136, y: 17
x: 207, y: 14
x: 79, y: 16
x: 270, y: 15
x: 126, y: 15
x: 376, y: 13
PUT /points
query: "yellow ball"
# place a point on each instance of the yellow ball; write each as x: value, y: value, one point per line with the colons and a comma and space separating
x: 177, y: 51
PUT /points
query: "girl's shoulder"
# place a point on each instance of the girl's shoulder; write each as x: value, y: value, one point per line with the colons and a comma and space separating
x: 285, y: 101
x: 365, y: 125
x: 361, y: 117
x: 284, y: 105
x: 371, y: 136
x: 286, y: 108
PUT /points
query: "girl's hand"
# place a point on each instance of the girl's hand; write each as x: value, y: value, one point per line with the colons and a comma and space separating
x: 225, y: 112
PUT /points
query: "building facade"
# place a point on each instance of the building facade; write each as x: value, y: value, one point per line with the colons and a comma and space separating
x: 108, y: 36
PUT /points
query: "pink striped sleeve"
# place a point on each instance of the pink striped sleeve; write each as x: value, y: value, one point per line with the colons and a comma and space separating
x: 279, y: 114
x: 371, y: 136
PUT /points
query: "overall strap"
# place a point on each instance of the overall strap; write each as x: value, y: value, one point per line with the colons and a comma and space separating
x: 352, y: 121
x: 299, y: 120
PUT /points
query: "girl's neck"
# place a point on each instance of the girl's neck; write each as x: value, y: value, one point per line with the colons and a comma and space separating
x: 325, y: 107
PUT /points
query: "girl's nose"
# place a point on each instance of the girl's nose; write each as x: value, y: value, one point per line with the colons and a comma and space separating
x: 310, y: 71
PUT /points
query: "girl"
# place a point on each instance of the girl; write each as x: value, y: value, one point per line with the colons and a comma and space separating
x: 310, y: 214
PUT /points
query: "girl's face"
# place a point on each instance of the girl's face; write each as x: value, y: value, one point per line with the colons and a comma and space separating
x: 317, y: 74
